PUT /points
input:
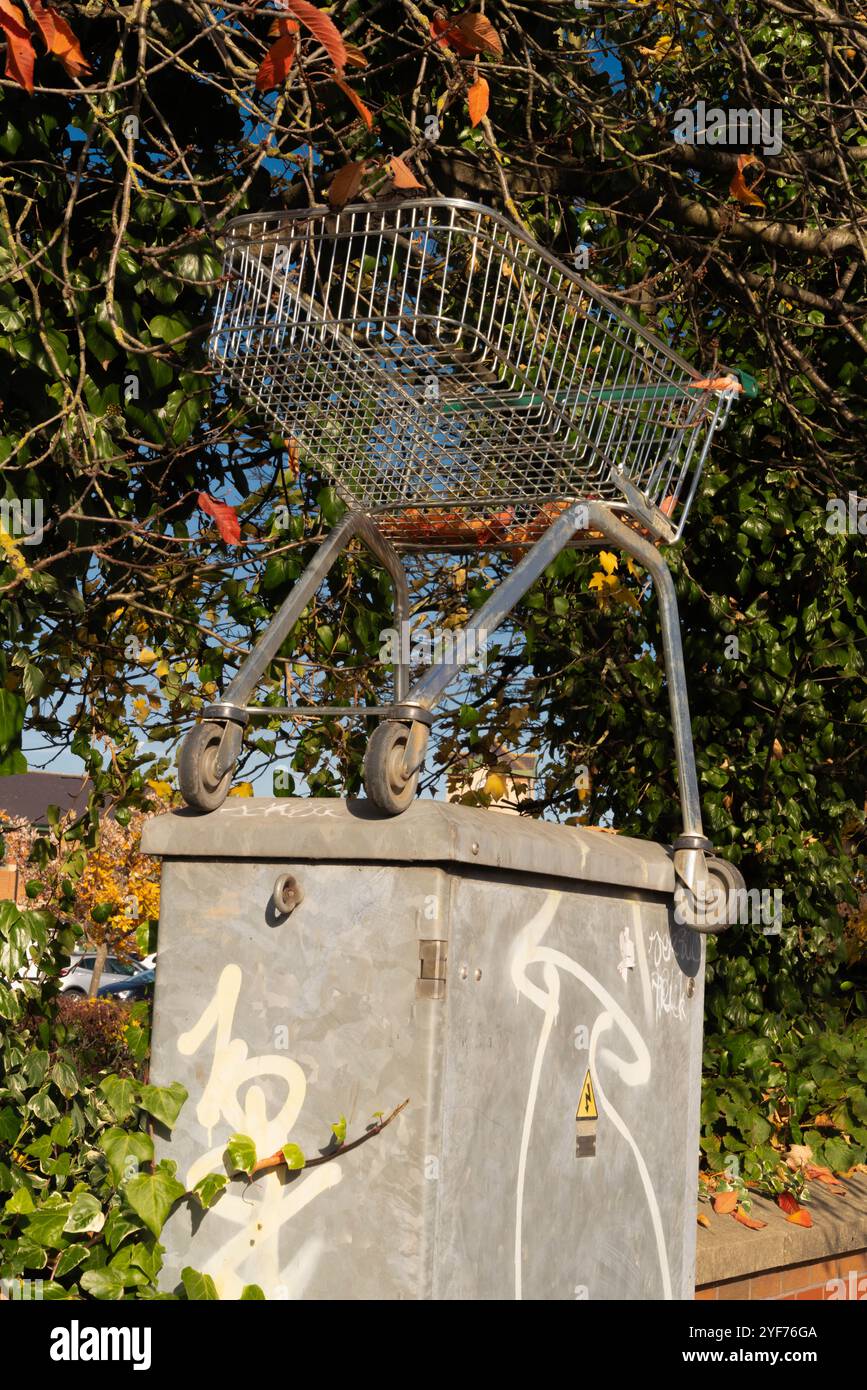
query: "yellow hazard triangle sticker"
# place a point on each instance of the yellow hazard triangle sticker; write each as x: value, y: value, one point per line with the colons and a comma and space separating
x: 587, y: 1104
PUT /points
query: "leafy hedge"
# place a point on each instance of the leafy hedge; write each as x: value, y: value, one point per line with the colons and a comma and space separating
x: 765, y: 1092
x: 81, y: 1202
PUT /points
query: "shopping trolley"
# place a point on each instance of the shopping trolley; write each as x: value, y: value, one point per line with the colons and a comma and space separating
x: 462, y: 388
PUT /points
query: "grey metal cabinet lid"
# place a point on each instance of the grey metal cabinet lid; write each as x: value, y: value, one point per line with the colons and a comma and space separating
x: 437, y: 832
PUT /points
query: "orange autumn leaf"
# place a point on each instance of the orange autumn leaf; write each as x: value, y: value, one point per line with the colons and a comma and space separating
x: 402, y: 174
x: 283, y: 26
x: 20, y: 53
x: 354, y: 56
x: 346, y: 183
x: 801, y: 1217
x: 225, y: 516
x: 364, y: 113
x: 479, y: 34
x: 816, y: 1174
x: 752, y: 1222
x: 477, y: 100
x: 739, y: 188
x: 276, y: 63
x: 703, y: 1219
x: 469, y: 34
x: 321, y: 27
x: 65, y: 46
x: 724, y: 1202
x: 45, y: 20
x: 793, y: 1209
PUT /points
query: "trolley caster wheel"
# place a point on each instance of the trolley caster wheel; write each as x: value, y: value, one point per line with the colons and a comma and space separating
x: 715, y: 908
x: 385, y: 781
x: 200, y: 786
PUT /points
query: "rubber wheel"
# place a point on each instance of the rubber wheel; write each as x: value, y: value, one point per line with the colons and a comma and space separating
x: 200, y: 786
x: 732, y: 881
x: 384, y: 780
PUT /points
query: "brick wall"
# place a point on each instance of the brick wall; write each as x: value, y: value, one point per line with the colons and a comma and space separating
x: 843, y: 1277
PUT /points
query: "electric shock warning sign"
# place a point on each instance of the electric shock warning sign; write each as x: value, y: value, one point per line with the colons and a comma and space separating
x: 586, y: 1117
x: 587, y: 1104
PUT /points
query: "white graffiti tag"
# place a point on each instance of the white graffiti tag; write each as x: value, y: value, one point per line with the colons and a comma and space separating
x: 666, y: 979
x: 633, y: 1070
x: 220, y: 1104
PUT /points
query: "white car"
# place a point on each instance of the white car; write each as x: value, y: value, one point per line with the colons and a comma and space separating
x: 77, y: 975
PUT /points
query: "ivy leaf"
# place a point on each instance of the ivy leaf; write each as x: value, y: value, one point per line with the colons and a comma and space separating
x: 293, y: 1157
x: 21, y: 1203
x: 241, y: 1153
x: 126, y: 1151
x: 86, y: 1215
x: 120, y: 1092
x: 153, y: 1195
x: 71, y: 1259
x: 47, y: 1224
x: 163, y: 1102
x: 200, y: 1288
x: 208, y: 1189
x: 105, y: 1284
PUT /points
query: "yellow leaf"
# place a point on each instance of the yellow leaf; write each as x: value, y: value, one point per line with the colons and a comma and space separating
x: 603, y: 581
x: 702, y: 1218
x: 146, y: 656
x: 608, y: 561
x: 13, y: 554
x: 242, y: 789
x: 162, y: 789
x: 663, y: 48
x: 495, y: 786
x: 161, y: 668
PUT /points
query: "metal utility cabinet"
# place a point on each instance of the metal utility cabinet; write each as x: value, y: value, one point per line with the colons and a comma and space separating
x: 523, y: 985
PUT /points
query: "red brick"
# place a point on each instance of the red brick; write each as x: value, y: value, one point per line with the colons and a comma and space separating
x: 797, y: 1277
x: 734, y: 1288
x: 766, y: 1285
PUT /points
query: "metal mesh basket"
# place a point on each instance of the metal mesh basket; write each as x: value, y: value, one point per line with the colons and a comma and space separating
x: 429, y: 356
